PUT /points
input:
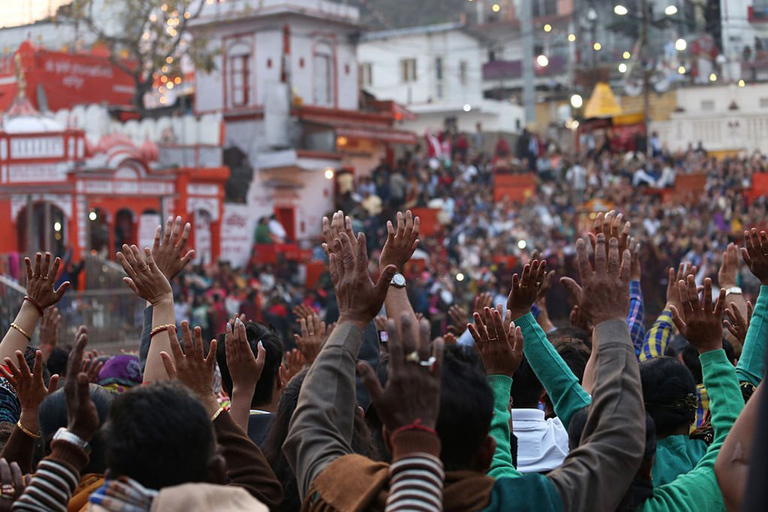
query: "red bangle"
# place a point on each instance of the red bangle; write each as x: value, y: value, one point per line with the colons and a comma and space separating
x: 158, y: 330
x: 416, y: 425
x: 36, y: 304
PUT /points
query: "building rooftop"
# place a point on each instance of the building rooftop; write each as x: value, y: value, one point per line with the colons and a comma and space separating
x: 412, y: 31
x: 242, y: 9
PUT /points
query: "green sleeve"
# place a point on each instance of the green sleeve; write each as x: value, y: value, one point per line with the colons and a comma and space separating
x: 563, y: 388
x: 502, y: 465
x: 752, y: 362
x: 697, y: 490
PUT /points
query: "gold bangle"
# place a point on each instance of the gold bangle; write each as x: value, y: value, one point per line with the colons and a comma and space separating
x: 217, y: 413
x: 22, y: 331
x: 28, y: 432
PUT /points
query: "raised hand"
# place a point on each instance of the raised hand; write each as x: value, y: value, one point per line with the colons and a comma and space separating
x: 412, y: 393
x: 673, y: 294
x: 144, y: 277
x: 755, y: 254
x: 482, y: 301
x: 49, y: 332
x: 610, y: 225
x: 312, y: 338
x: 302, y: 311
x: 698, y: 321
x: 191, y: 367
x: 91, y: 367
x: 292, y: 364
x: 604, y: 291
x: 170, y: 255
x: 736, y: 323
x: 332, y: 230
x: 546, y: 284
x: 41, y: 281
x: 401, y: 243
x: 358, y: 298
x: 12, y: 484
x: 500, y: 346
x: 458, y: 316
x: 83, y: 418
x: 726, y: 276
x: 244, y: 367
x: 525, y: 288
x: 29, y: 385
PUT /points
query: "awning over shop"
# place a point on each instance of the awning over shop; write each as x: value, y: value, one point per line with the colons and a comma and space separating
x: 361, y: 130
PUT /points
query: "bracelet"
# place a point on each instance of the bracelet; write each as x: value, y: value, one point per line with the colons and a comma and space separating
x: 28, y: 432
x: 416, y: 425
x: 36, y: 304
x: 22, y: 331
x: 159, y: 329
x: 217, y: 413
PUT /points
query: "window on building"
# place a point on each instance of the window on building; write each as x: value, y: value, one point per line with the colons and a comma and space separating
x: 324, y: 76
x: 544, y: 8
x: 239, y: 79
x: 463, y: 72
x: 707, y: 105
x: 763, y: 102
x: 439, y: 68
x: 366, y: 74
x: 408, y: 70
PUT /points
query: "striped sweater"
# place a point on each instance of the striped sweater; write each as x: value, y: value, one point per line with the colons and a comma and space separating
x: 416, y: 475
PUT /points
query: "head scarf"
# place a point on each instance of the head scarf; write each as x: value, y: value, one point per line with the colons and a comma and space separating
x: 120, y: 372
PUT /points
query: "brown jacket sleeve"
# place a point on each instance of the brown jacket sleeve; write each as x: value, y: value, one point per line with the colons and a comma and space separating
x: 246, y: 465
x: 20, y: 449
x: 595, y: 476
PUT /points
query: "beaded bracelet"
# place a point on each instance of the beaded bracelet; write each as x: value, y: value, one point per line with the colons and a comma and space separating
x: 22, y: 331
x: 159, y: 329
x: 36, y: 304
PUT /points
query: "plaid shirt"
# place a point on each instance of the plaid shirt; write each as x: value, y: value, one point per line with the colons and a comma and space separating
x: 635, y: 317
x: 655, y: 345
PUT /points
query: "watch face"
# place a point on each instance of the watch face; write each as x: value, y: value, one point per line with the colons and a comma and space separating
x: 398, y: 280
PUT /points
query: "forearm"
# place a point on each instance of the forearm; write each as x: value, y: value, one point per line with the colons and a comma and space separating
x: 561, y: 384
x: 416, y: 475
x: 14, y: 340
x: 741, y: 304
x: 658, y: 337
x: 752, y: 362
x: 396, y: 304
x: 54, y: 482
x: 596, y: 475
x: 240, y: 408
x: 733, y: 461
x: 20, y: 449
x: 246, y: 465
x: 502, y: 465
x: 322, y: 425
x: 162, y: 314
x: 725, y: 399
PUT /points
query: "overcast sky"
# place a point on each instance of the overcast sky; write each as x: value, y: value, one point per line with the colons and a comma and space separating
x: 21, y: 12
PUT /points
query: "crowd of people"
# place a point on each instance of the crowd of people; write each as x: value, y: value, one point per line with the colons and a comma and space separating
x: 502, y: 410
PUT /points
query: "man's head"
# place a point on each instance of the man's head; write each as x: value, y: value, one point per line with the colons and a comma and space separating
x: 466, y: 410
x: 669, y: 392
x: 160, y: 436
x: 526, y: 387
x: 269, y: 381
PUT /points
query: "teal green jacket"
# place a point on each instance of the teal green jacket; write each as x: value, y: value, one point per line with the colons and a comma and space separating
x: 697, y: 490
x: 752, y: 362
x: 676, y: 455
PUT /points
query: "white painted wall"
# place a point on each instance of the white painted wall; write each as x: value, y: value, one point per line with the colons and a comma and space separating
x: 454, y: 46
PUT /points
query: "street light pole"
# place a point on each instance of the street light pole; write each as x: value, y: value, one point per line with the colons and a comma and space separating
x: 646, y: 76
x: 529, y: 77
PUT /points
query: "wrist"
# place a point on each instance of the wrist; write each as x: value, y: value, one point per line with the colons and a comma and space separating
x: 709, y: 346
x: 348, y: 319
x: 28, y: 420
x: 163, y: 300
x: 83, y: 433
x: 243, y: 392
x: 519, y: 313
x: 210, y: 403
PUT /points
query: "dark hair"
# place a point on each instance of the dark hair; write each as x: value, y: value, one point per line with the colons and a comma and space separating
x: 564, y: 335
x: 526, y: 387
x: 159, y: 435
x: 575, y: 356
x: 669, y: 392
x: 57, y: 362
x: 640, y: 489
x: 53, y: 416
x: 273, y: 444
x: 274, y: 347
x: 466, y: 408
x: 690, y: 355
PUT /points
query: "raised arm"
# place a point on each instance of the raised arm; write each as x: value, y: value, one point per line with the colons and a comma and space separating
x: 41, y: 295
x: 596, y: 475
x: 245, y: 370
x: 321, y: 427
x: 398, y: 249
x: 702, y: 326
x: 501, y: 349
x: 751, y: 365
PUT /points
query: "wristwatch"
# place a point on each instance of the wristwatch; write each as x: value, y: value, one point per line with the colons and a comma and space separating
x: 398, y: 280
x: 65, y: 435
x: 733, y: 289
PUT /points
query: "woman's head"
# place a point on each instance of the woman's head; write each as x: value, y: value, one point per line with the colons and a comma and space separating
x: 669, y: 392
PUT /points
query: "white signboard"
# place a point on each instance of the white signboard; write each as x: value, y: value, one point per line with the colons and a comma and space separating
x: 37, y: 147
x: 202, y: 230
x: 237, y: 230
x: 36, y: 173
x: 148, y: 223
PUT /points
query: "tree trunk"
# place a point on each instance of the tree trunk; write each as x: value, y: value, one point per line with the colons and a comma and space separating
x: 138, y: 96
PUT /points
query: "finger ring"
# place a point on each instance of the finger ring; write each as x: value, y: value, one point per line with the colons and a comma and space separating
x: 493, y: 339
x: 413, y: 357
x: 45, y: 278
x: 144, y: 267
x: 429, y: 363
x: 7, y: 491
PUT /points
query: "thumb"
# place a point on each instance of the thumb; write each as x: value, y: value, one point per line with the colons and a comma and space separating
x: 58, y: 294
x: 572, y: 286
x: 384, y: 279
x: 53, y: 384
x: 170, y: 368
x: 370, y: 380
x: 261, y: 355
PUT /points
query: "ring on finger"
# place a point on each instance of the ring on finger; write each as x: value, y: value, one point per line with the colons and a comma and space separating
x: 413, y: 357
x: 429, y: 364
x: 7, y: 492
x: 144, y: 267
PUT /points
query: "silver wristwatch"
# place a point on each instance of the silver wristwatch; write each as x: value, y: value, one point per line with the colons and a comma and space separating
x: 398, y: 280
x: 733, y: 289
x: 65, y: 435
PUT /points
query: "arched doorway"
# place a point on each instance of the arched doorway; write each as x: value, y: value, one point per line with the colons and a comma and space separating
x: 202, y: 233
x: 42, y: 227
x: 125, y: 229
x: 98, y: 229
